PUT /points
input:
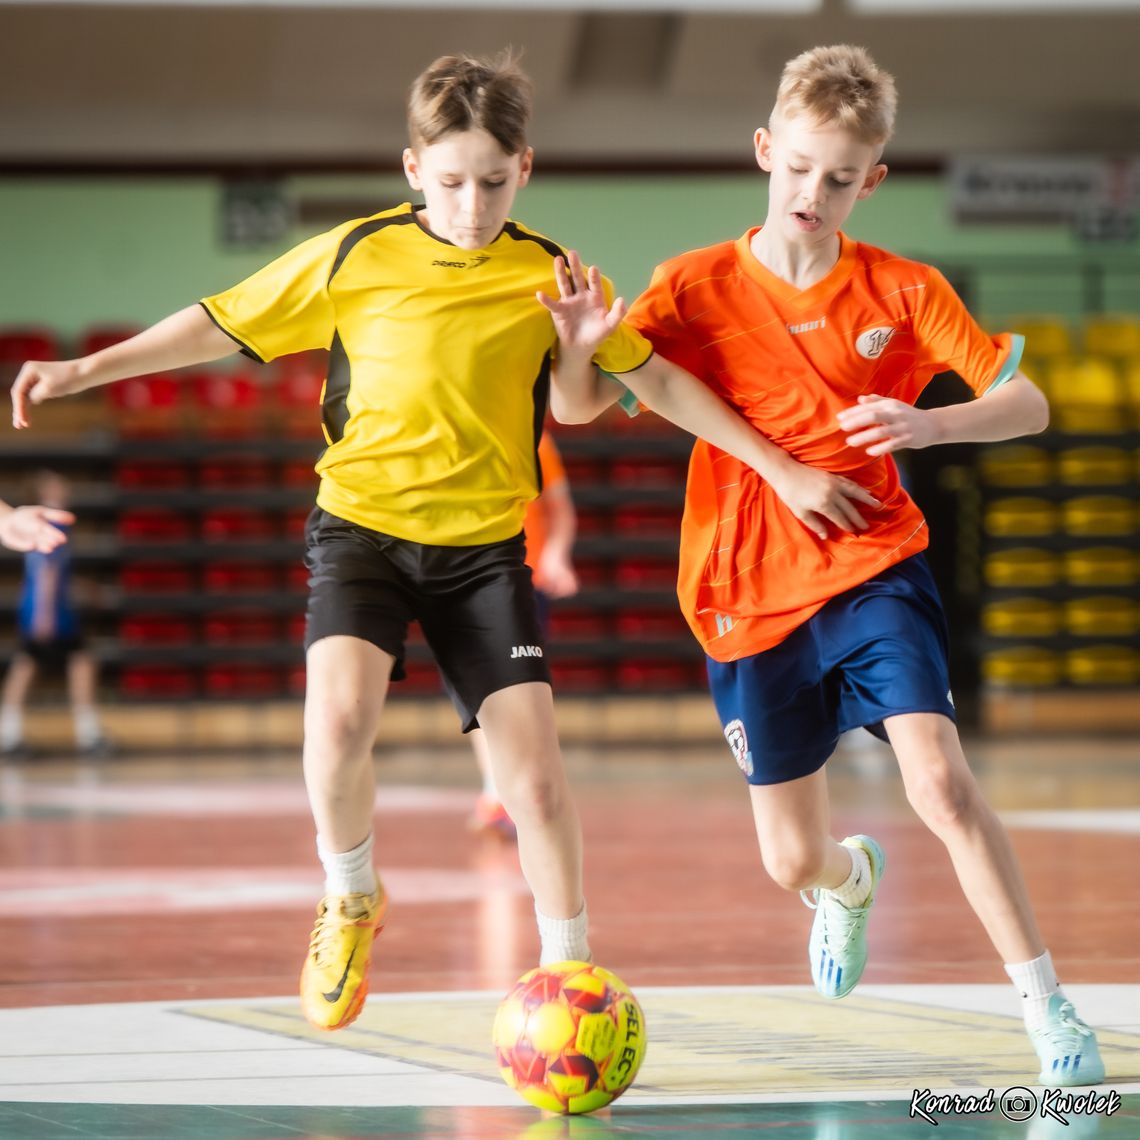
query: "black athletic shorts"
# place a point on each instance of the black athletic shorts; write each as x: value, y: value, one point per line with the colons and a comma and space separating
x: 475, y: 605
x: 52, y: 654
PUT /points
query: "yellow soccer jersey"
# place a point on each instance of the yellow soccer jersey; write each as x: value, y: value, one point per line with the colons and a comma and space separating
x: 439, y: 369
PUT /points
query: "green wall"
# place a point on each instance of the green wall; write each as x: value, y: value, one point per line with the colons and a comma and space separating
x: 80, y: 251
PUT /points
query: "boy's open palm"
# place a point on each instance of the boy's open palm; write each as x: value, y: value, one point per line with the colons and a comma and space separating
x: 41, y: 380
x: 581, y: 316
x: 34, y: 528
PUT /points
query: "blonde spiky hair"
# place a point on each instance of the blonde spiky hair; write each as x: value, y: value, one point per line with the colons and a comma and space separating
x: 842, y: 85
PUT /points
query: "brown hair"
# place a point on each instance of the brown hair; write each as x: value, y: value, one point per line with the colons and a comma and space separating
x: 843, y: 85
x: 459, y: 93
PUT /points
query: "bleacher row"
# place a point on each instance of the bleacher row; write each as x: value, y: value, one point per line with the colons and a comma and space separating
x: 1061, y: 518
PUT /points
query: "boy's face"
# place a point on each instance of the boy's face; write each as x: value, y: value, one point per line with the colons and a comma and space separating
x: 819, y: 171
x: 469, y: 184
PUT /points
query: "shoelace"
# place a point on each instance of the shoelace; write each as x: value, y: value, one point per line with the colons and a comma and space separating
x: 1067, y: 1023
x: 840, y: 922
x: 323, y: 942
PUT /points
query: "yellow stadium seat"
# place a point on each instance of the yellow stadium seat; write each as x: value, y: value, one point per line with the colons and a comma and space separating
x: 1046, y: 337
x: 1016, y: 466
x: 1100, y: 665
x: 1099, y: 515
x: 1104, y: 616
x: 1113, y: 335
x: 1021, y: 517
x: 1022, y: 617
x: 1083, y: 466
x: 1022, y: 567
x: 1101, y: 566
x: 1086, y: 380
x: 1024, y: 666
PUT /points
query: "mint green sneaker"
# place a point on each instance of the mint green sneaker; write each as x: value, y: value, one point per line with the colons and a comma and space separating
x: 1066, y: 1047
x: 837, y: 949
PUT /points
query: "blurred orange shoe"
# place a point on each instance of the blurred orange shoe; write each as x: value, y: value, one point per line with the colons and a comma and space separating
x: 490, y: 816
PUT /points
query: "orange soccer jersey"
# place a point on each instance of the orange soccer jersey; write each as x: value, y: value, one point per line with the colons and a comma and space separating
x: 789, y: 360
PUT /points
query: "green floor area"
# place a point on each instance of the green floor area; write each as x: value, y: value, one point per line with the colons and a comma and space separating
x: 834, y: 1120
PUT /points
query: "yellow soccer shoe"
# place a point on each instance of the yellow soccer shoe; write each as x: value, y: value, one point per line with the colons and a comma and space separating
x: 334, y: 980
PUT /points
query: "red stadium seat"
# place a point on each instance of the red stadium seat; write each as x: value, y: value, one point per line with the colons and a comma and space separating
x: 241, y: 627
x: 157, y: 682
x: 575, y: 625
x: 228, y: 403
x: 242, y: 681
x: 646, y: 574
x: 154, y: 524
x: 238, y: 524
x: 579, y: 676
x: 31, y: 342
x: 648, y: 623
x: 240, y: 577
x: 155, y: 629
x: 151, y: 474
x: 649, y: 674
x: 156, y: 578
x: 235, y: 473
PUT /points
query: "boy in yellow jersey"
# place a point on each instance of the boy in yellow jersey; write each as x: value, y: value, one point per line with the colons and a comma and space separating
x: 444, y: 336
x: 824, y: 344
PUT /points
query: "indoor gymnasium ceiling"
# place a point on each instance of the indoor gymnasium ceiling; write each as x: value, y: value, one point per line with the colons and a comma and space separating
x: 153, y: 85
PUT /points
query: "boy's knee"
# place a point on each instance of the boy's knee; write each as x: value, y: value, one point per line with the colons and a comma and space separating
x: 941, y: 796
x: 533, y: 793
x: 337, y: 731
x: 795, y: 868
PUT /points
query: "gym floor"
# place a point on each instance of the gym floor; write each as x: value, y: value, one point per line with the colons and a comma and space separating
x: 154, y: 914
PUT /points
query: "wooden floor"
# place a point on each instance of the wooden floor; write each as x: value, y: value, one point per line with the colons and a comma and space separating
x: 154, y: 913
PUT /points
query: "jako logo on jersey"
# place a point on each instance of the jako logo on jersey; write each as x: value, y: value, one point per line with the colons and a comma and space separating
x: 526, y: 651
x: 808, y: 326
x: 738, y: 741
x: 871, y: 343
x: 474, y: 263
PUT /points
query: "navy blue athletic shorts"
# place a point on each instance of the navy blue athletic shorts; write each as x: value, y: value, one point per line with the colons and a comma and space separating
x: 875, y: 651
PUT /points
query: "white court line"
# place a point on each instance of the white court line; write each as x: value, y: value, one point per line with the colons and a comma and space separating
x: 151, y: 1053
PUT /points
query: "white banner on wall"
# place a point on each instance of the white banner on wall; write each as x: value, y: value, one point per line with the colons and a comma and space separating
x: 1088, y: 192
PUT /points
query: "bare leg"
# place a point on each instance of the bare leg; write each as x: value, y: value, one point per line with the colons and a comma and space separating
x: 793, y: 826
x: 942, y: 790
x: 346, y: 685
x: 17, y: 684
x: 527, y: 763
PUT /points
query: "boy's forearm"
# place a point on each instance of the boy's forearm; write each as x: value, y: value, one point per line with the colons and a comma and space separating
x: 185, y: 338
x: 1017, y: 408
x: 681, y: 398
x: 578, y: 391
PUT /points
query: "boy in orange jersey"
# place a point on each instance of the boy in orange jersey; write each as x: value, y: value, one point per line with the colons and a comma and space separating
x: 824, y: 344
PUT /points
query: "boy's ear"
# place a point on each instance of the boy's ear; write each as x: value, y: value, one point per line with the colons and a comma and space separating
x: 412, y: 169
x: 762, y: 141
x: 526, y: 166
x: 873, y: 180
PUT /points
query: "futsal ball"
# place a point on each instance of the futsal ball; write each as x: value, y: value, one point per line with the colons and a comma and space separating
x: 569, y: 1037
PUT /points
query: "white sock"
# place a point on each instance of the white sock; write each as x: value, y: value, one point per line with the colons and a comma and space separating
x: 856, y: 888
x: 563, y: 939
x: 348, y: 872
x: 86, y: 722
x: 11, y: 726
x: 1036, y: 981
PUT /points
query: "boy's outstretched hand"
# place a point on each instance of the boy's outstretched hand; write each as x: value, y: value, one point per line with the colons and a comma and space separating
x: 581, y: 316
x: 881, y: 425
x: 32, y: 528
